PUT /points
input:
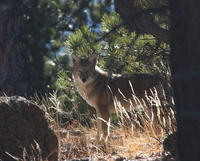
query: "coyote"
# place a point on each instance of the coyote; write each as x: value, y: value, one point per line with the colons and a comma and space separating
x: 100, y: 89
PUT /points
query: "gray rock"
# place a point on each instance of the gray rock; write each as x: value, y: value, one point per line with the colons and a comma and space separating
x: 24, y: 131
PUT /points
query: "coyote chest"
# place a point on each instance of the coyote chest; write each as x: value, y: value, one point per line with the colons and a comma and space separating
x: 85, y: 92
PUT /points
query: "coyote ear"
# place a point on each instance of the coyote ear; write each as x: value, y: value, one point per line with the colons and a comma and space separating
x: 75, y: 59
x: 94, y: 58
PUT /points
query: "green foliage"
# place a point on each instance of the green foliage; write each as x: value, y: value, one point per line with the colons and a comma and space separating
x: 83, y: 41
x: 109, y: 21
x: 123, y: 52
x: 65, y: 89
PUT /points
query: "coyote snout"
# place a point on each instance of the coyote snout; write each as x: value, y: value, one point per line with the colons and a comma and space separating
x: 84, y: 76
x: 100, y: 89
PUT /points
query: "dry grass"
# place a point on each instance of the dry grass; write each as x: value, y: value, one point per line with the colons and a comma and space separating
x: 138, y: 134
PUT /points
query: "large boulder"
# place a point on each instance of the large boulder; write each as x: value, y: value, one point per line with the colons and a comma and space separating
x: 24, y: 131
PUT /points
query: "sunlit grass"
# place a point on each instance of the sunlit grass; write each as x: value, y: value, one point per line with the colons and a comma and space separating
x: 137, y: 134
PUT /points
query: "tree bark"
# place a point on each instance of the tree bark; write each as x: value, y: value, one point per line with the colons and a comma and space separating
x: 139, y: 20
x: 185, y: 66
x: 14, y: 69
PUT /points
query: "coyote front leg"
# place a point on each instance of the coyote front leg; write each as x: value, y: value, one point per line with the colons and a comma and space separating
x: 102, y: 122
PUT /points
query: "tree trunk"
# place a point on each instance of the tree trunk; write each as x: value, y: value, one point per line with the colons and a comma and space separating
x: 14, y: 70
x: 185, y: 48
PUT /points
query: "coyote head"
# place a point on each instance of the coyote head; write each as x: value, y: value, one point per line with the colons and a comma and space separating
x: 84, y: 69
